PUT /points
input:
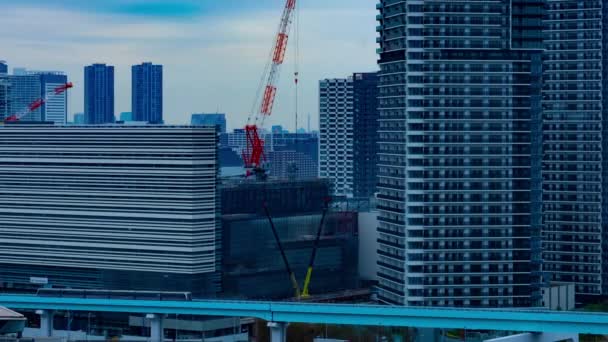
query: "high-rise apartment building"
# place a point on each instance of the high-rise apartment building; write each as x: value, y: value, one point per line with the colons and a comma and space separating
x: 605, y: 148
x: 138, y: 213
x: 336, y: 134
x: 459, y: 175
x: 572, y: 132
x: 99, y: 94
x: 147, y: 92
x: 210, y: 119
x: 365, y: 134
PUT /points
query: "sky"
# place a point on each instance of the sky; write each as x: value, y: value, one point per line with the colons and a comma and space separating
x: 213, y: 52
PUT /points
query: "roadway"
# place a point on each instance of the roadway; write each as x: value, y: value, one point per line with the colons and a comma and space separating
x: 344, y: 314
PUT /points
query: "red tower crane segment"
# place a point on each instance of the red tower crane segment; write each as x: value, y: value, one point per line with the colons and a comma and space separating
x: 254, y: 152
x: 39, y: 102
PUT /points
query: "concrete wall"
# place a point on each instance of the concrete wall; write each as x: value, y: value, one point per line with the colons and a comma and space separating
x: 559, y: 296
x: 368, y: 245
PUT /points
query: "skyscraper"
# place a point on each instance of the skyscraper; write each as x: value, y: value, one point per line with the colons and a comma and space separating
x: 147, y: 92
x: 336, y: 134
x: 459, y: 152
x: 213, y: 119
x: 99, y: 94
x: 365, y: 133
x: 3, y: 67
x: 126, y: 215
x: 572, y: 131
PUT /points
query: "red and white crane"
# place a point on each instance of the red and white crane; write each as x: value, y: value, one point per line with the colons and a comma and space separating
x: 253, y: 155
x: 39, y: 102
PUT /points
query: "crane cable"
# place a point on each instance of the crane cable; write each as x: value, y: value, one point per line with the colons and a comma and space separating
x: 296, y: 60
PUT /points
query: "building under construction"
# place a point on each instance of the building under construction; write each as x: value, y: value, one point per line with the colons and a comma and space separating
x: 251, y: 259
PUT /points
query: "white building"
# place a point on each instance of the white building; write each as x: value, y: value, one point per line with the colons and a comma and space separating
x: 336, y: 134
x: 109, y: 197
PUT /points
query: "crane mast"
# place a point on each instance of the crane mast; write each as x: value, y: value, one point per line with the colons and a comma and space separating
x: 39, y: 102
x: 254, y: 152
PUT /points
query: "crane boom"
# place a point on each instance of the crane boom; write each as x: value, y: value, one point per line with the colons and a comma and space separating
x: 254, y: 152
x: 39, y: 102
x: 315, y: 247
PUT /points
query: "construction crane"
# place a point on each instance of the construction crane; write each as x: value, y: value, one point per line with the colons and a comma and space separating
x: 253, y: 155
x: 311, y: 264
x: 39, y: 102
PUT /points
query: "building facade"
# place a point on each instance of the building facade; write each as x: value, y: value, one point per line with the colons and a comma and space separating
x: 291, y: 164
x: 79, y: 119
x: 4, y: 96
x: 294, y: 155
x: 459, y: 179
x: 126, y: 116
x: 99, y: 94
x: 138, y: 213
x: 365, y: 133
x: 252, y: 264
x: 572, y: 131
x: 147, y: 93
x: 210, y: 119
x: 55, y: 109
x: 4, y: 88
x: 336, y: 134
x: 24, y: 88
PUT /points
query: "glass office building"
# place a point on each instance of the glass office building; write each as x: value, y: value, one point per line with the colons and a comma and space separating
x: 147, y: 93
x: 459, y: 174
x: 99, y: 94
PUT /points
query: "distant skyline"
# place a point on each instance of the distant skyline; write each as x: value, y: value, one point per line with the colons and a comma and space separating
x: 213, y: 53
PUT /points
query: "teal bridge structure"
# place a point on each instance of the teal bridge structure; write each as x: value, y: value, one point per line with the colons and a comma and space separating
x: 279, y: 314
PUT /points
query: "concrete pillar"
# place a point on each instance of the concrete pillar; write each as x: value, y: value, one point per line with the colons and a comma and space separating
x: 46, y: 322
x: 278, y: 331
x: 157, y: 327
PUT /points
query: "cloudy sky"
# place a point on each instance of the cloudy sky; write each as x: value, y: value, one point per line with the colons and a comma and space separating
x: 213, y: 51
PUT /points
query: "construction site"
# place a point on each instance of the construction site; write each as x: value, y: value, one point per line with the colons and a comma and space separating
x: 252, y: 264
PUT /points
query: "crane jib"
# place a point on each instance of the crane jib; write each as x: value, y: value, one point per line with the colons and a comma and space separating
x: 254, y: 152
